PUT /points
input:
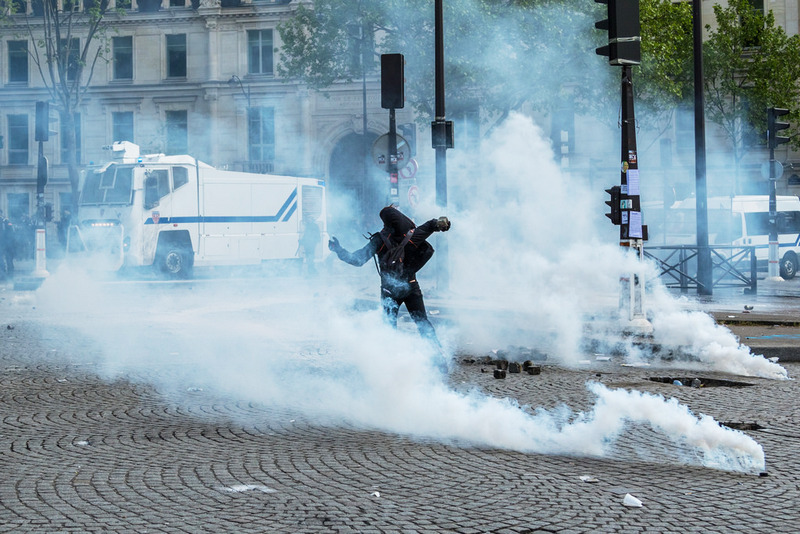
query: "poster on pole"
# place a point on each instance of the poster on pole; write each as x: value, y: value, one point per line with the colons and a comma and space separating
x: 635, y: 225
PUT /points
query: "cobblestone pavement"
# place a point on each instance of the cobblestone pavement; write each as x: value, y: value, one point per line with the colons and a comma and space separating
x: 85, y: 454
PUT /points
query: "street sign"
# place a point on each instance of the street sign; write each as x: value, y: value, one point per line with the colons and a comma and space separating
x: 380, y: 152
x: 765, y: 170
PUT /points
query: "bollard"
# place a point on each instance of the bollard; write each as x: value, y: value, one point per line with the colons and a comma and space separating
x: 40, y: 270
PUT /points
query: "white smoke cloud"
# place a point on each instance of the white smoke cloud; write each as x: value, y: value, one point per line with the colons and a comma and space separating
x: 304, y: 349
x: 531, y: 243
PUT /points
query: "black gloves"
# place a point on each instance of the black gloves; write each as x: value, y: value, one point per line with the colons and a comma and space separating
x: 442, y: 224
x: 333, y: 245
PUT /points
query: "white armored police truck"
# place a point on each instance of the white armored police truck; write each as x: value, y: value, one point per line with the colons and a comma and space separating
x: 175, y: 213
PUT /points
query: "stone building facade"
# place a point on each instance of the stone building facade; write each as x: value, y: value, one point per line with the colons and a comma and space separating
x: 181, y: 78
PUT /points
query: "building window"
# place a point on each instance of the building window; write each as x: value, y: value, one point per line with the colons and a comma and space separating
x: 177, y: 132
x: 123, y: 57
x: 19, y: 206
x: 73, y: 56
x: 18, y: 140
x: 122, y: 126
x: 18, y: 62
x: 259, y: 51
x: 261, y: 134
x: 63, y: 136
x: 176, y: 56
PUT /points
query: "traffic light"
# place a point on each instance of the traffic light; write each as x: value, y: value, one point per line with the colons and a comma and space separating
x: 616, y: 213
x: 392, y: 81
x: 622, y: 25
x: 774, y: 126
x: 42, y: 121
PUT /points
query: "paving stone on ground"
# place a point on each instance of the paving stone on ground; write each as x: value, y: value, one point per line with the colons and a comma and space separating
x: 82, y: 454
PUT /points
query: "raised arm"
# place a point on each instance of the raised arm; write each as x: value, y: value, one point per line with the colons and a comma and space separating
x: 358, y: 257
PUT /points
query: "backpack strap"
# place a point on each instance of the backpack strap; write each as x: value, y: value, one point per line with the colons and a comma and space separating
x: 396, y: 252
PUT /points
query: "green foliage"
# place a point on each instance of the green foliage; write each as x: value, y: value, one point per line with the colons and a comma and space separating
x: 664, y: 80
x: 502, y: 55
x: 750, y: 64
x: 499, y: 55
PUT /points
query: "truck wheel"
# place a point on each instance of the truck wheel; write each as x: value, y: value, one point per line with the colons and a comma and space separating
x: 175, y: 263
x: 789, y: 266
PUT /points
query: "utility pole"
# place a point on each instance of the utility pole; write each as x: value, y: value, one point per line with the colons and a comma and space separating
x: 775, y: 171
x: 624, y: 49
x: 441, y: 137
x: 42, y: 134
x: 392, y: 97
x: 704, y: 267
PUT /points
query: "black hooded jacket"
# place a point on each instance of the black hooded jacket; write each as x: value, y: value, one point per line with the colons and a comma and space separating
x: 395, y: 227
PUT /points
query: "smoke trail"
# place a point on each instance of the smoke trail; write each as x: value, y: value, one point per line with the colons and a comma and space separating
x: 308, y: 352
x: 713, y: 345
x: 532, y: 239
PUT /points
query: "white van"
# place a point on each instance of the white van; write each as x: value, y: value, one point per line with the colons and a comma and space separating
x: 744, y: 221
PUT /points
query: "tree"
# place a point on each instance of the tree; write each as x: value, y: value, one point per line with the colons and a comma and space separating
x: 69, y: 41
x: 664, y: 80
x: 518, y: 42
x: 750, y: 65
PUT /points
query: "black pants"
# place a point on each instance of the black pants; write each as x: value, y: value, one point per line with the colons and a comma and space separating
x: 410, y: 294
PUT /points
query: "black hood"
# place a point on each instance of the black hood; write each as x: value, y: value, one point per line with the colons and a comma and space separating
x: 395, y: 222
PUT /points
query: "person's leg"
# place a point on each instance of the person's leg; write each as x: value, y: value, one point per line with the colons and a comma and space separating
x: 390, y: 307
x: 415, y: 305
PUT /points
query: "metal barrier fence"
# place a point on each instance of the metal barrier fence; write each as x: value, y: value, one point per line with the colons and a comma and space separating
x: 731, y: 266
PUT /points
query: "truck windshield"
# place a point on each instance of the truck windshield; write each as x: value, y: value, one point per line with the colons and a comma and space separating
x: 112, y: 186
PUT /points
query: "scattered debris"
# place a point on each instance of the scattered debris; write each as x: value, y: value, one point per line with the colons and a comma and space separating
x: 631, y: 501
x: 376, y: 494
x: 9, y: 327
x: 589, y: 479
x: 534, y: 370
x: 514, y: 367
x: 698, y: 382
x: 240, y: 488
x: 499, y: 373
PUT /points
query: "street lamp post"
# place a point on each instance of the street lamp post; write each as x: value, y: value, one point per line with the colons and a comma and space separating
x: 233, y: 81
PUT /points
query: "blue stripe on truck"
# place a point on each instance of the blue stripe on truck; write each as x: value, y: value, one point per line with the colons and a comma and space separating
x: 284, y: 214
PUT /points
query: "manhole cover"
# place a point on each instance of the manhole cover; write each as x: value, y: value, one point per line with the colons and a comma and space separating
x: 698, y: 382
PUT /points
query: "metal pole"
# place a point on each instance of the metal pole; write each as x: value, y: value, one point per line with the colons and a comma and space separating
x: 704, y: 285
x: 631, y: 230
x: 40, y: 254
x: 773, y: 270
x: 441, y: 148
x: 394, y: 193
x: 365, y: 148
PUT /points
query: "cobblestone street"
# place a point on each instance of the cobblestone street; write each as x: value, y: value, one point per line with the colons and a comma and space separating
x: 84, y: 454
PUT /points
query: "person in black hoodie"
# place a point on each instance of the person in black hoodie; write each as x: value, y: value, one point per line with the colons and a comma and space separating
x: 402, y: 249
